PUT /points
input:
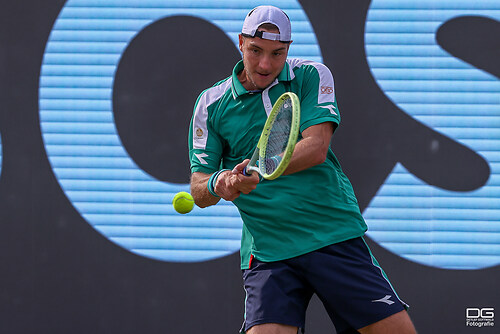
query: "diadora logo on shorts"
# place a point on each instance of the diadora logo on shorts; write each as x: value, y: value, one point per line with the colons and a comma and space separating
x: 386, y: 300
x: 326, y: 90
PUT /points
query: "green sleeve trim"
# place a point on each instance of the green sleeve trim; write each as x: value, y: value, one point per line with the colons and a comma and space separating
x: 317, y: 121
x: 200, y: 169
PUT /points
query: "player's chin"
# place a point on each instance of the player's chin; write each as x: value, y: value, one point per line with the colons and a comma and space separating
x: 264, y: 81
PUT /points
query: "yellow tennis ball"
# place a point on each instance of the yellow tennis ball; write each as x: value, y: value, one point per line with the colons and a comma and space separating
x: 183, y: 202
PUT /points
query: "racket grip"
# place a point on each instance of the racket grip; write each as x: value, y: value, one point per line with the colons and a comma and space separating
x: 245, y: 172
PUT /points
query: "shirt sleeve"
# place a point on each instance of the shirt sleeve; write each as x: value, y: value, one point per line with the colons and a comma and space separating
x: 205, y: 145
x: 318, y: 103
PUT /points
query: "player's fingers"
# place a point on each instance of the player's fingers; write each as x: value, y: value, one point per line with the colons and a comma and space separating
x: 231, y: 197
x: 224, y: 186
x: 246, y: 184
x: 253, y: 179
x: 247, y: 191
x: 238, y: 169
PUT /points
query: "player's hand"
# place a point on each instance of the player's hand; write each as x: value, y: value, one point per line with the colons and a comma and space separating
x: 244, y: 184
x: 225, y: 187
x: 230, y: 184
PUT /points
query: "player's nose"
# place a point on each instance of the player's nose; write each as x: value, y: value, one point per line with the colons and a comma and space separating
x: 265, y: 63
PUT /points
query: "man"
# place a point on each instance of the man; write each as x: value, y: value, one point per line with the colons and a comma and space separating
x: 302, y: 233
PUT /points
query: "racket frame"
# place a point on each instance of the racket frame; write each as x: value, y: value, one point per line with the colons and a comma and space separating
x: 263, y: 140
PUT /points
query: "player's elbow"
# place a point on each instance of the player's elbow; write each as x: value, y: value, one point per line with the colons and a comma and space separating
x: 198, y: 200
x: 204, y: 201
x: 202, y: 205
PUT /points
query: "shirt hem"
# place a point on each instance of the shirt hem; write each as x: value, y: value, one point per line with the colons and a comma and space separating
x: 302, y: 252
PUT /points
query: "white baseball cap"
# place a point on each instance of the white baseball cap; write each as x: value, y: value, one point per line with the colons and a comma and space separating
x: 267, y: 14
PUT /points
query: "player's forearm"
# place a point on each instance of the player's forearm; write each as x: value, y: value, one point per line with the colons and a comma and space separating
x: 199, y: 190
x: 312, y: 149
x: 308, y: 153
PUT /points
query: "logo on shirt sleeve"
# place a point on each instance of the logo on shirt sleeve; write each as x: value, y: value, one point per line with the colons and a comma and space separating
x: 326, y: 90
x: 200, y: 157
x: 329, y: 107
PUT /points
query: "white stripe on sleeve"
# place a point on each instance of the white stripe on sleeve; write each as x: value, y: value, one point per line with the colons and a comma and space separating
x: 200, y: 128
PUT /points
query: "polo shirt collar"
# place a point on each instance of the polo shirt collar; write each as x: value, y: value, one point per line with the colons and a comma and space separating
x: 238, y: 89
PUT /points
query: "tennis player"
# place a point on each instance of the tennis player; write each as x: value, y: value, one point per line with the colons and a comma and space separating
x: 302, y: 232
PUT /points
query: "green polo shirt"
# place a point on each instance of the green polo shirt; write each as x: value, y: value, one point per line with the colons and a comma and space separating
x: 293, y: 214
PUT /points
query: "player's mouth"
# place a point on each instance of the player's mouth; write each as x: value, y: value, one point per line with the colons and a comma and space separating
x: 261, y: 80
x: 264, y: 75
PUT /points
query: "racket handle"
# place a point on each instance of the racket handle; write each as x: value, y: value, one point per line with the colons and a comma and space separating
x: 248, y: 170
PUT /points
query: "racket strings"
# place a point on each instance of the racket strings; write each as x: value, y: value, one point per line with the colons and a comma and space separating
x: 278, y: 138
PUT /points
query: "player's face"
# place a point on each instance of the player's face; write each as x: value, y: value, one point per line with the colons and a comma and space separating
x: 263, y: 60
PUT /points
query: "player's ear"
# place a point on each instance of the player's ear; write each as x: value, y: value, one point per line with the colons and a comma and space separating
x: 241, y: 40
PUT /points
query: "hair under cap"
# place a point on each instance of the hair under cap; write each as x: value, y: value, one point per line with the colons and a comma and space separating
x: 267, y: 14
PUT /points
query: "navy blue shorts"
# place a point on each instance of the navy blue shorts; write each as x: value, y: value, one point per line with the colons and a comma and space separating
x: 346, y: 277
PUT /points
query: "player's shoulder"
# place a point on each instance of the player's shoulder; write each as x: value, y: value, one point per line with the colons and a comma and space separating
x: 219, y: 87
x: 305, y: 67
x: 296, y: 63
x: 212, y: 94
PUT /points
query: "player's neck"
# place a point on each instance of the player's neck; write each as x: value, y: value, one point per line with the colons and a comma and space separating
x: 247, y: 83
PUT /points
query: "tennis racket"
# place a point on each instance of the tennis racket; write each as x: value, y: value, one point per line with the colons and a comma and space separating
x: 277, y: 141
